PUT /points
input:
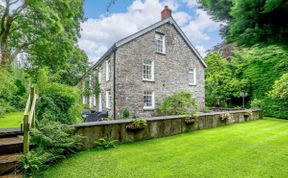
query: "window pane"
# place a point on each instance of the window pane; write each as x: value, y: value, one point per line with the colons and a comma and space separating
x: 147, y: 69
x: 147, y: 99
x: 159, y: 41
x: 191, y: 76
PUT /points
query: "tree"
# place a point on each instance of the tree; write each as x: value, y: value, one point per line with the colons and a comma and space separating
x: 249, y: 21
x: 45, y: 30
x: 258, y: 21
x: 222, y: 81
x: 220, y: 9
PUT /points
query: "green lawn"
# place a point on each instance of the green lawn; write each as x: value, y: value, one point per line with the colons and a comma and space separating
x: 11, y: 120
x: 253, y: 149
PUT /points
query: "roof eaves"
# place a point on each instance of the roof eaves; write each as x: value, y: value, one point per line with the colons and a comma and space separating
x: 141, y: 32
x: 155, y: 25
x: 104, y: 56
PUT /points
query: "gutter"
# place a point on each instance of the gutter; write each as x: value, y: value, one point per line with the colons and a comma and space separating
x: 114, y: 83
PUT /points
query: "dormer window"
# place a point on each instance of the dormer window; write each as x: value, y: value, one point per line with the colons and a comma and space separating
x: 160, y: 43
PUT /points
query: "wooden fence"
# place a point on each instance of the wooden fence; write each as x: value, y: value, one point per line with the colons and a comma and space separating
x: 29, y: 118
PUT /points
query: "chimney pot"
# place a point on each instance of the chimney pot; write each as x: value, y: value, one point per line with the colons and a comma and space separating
x: 166, y: 13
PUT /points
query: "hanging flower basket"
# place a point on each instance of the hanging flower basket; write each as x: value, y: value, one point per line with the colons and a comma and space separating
x: 248, y: 114
x: 225, y: 117
x: 189, y: 121
x: 137, y: 124
x: 133, y: 127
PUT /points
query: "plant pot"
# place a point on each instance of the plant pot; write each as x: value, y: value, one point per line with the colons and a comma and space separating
x: 133, y: 127
x: 189, y: 121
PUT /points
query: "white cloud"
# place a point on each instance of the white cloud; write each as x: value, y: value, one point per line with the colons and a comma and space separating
x: 197, y: 29
x: 182, y: 18
x: 201, y: 50
x: 191, y: 3
x: 98, y: 35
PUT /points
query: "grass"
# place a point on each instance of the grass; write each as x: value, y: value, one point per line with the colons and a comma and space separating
x: 253, y: 149
x: 11, y: 120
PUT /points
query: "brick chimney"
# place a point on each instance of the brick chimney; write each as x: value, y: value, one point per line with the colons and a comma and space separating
x: 166, y: 13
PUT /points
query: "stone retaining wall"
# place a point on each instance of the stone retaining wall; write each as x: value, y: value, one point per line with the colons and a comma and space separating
x: 157, y: 126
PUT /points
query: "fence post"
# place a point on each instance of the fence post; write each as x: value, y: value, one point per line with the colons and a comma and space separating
x: 25, y: 135
x: 32, y: 95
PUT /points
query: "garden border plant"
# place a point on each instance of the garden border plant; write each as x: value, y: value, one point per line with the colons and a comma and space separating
x: 137, y: 124
x: 225, y: 117
x: 191, y: 119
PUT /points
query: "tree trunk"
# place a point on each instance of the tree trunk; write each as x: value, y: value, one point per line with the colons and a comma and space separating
x: 4, y: 54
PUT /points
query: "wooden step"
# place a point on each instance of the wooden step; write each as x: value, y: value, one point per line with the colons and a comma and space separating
x: 10, y: 145
x: 9, y: 163
x: 10, y: 132
x: 12, y: 175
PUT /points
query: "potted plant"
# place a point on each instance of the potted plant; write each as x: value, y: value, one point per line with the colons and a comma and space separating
x: 191, y: 119
x: 137, y: 124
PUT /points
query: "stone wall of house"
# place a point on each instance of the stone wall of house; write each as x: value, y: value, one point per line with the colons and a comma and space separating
x: 157, y: 126
x: 106, y: 85
x: 170, y: 69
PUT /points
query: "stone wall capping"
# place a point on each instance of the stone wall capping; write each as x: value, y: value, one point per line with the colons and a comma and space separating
x: 161, y: 126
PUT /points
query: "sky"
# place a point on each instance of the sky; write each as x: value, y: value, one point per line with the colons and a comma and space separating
x: 103, y: 28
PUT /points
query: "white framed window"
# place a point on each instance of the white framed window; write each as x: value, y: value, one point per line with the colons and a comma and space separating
x: 94, y: 100
x: 108, y: 70
x: 148, y: 70
x: 108, y: 99
x: 149, y: 100
x: 91, y: 101
x: 192, y: 76
x: 160, y: 43
x: 85, y: 86
x: 99, y: 102
x: 85, y: 99
x: 99, y: 75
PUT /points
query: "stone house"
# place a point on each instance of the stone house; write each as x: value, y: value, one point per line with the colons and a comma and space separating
x: 139, y: 71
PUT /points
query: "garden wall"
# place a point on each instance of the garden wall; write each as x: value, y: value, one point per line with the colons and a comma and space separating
x: 157, y: 126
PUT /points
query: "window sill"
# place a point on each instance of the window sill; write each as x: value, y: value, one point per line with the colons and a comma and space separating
x: 148, y: 108
x: 147, y: 80
x: 163, y: 54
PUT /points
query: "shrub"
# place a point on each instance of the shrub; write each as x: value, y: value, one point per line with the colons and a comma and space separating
x: 12, y: 91
x: 280, y: 88
x: 5, y: 107
x: 125, y: 113
x: 35, y: 160
x: 104, y: 144
x: 50, y: 141
x: 179, y: 103
x: 256, y: 103
x: 139, y: 122
x: 57, y: 102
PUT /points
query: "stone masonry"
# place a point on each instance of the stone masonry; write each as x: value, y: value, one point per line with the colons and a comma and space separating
x: 170, y: 73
